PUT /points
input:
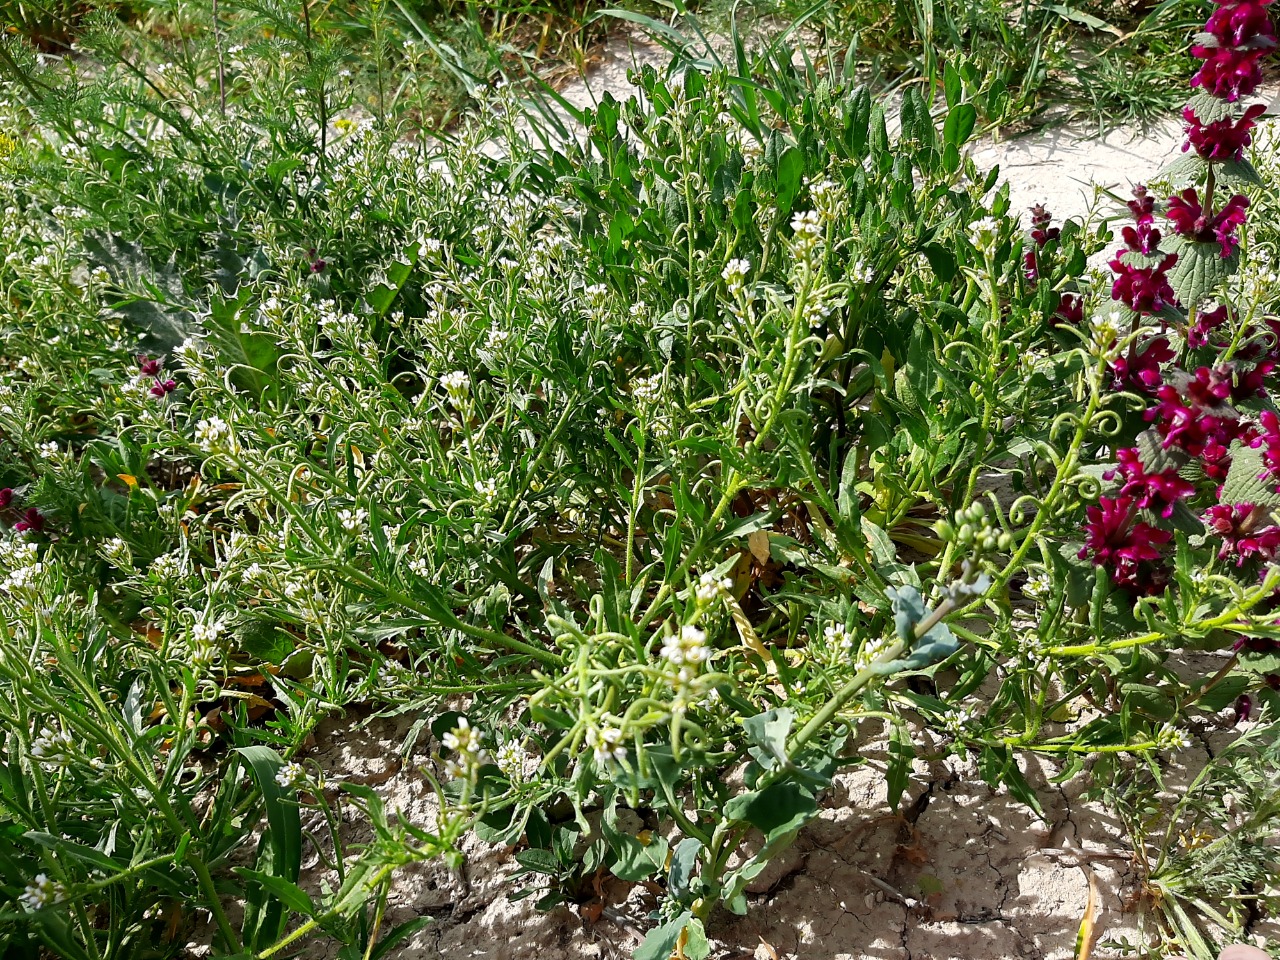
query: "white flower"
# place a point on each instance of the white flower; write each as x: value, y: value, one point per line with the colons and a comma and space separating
x: 353, y: 521
x: 206, y: 633
x: 468, y: 751
x: 861, y: 272
x: 254, y: 572
x: 53, y: 749
x: 985, y: 234
x: 1170, y: 737
x: 869, y: 652
x: 212, y: 434
x: 486, y: 490
x: 807, y: 226
x: 40, y: 893
x: 955, y: 723
x: 496, y: 339
x: 647, y: 389
x: 49, y: 450
x: 418, y: 567
x: 292, y: 776
x: 709, y: 589
x: 838, y: 637
x: 456, y: 384
x: 735, y: 275
x: 606, y: 744
x: 1038, y: 587
x: 511, y: 758
x: 117, y: 553
x: 168, y: 566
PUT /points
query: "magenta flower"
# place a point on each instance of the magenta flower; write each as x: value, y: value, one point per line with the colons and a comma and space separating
x: 1242, y: 709
x: 1143, y: 290
x: 1154, y: 491
x: 1198, y: 423
x: 6, y: 497
x: 1229, y: 74
x: 1070, y: 309
x: 153, y: 368
x: 32, y: 520
x: 1144, y: 238
x: 1194, y: 222
x: 1269, y: 440
x: 1143, y: 205
x: 1141, y: 371
x: 1240, y: 26
x: 1222, y: 139
x: 1206, y: 322
x: 1114, y: 540
x: 1244, y: 532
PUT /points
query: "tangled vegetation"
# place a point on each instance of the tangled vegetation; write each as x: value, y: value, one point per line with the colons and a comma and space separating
x: 640, y: 467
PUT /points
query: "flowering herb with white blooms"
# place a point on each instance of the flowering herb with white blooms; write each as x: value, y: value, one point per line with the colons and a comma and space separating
x: 638, y: 471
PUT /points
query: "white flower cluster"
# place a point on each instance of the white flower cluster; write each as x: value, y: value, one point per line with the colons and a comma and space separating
x: 862, y: 272
x: 53, y: 749
x: 214, y: 435
x: 468, y: 750
x: 806, y: 229
x: 647, y: 390
x: 457, y: 385
x: 486, y: 490
x: 353, y: 521
x: 606, y: 744
x: 709, y: 589
x: 735, y: 276
x: 984, y: 234
x: 957, y: 722
x: 40, y: 893
x: 169, y: 566
x: 869, y: 652
x: 117, y: 553
x: 687, y: 651
x: 1169, y: 737
x: 837, y: 637
x: 511, y: 758
x: 292, y: 776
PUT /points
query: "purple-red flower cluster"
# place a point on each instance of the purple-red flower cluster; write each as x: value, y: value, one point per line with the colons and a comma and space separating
x: 1245, y: 531
x: 1194, y: 222
x: 1140, y: 371
x: 1041, y: 233
x: 1236, y: 37
x: 1130, y: 549
x: 154, y: 368
x: 1223, y: 139
x: 1151, y: 491
x: 29, y: 519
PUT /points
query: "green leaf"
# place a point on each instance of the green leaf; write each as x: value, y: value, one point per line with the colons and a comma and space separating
x: 1200, y: 270
x: 952, y: 85
x: 1240, y: 171
x: 399, y: 935
x: 901, y: 753
x: 683, y: 859
x: 776, y: 810
x: 540, y: 861
x: 959, y: 124
x: 660, y: 942
x: 637, y: 860
x: 1248, y: 480
x: 265, y: 641
x: 290, y: 894
x: 790, y: 176
x: 770, y: 730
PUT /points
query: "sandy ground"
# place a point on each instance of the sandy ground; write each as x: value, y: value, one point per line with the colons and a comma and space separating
x: 961, y: 872
x: 966, y: 873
